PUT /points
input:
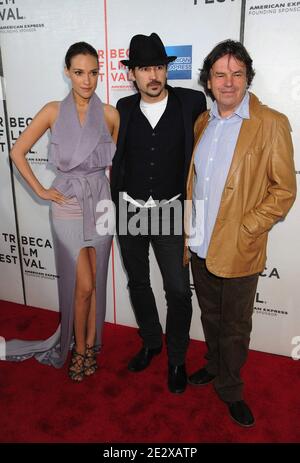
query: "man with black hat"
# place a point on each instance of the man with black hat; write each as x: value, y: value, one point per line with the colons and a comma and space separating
x: 148, y: 177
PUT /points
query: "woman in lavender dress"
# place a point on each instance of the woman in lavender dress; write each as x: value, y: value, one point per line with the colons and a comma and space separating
x: 83, y: 137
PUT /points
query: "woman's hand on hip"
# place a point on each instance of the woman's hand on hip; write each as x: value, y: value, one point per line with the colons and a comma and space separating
x: 53, y: 195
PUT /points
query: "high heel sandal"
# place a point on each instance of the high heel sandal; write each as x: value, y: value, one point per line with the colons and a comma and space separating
x: 90, y: 360
x: 76, y: 367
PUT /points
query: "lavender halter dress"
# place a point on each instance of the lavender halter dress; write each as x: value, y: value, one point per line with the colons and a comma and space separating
x: 80, y: 155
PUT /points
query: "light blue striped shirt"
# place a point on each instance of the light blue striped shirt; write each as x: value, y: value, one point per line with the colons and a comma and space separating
x: 212, y: 162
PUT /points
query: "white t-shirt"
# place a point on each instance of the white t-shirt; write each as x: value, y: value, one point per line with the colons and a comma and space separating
x: 153, y: 111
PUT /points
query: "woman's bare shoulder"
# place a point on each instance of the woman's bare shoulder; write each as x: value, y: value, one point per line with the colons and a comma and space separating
x: 109, y: 109
x: 111, y: 113
x: 50, y: 110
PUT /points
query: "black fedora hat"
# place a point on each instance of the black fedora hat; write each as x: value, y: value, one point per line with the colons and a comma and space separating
x: 147, y: 50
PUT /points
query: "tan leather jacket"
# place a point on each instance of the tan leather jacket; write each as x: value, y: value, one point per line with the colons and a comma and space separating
x: 259, y: 190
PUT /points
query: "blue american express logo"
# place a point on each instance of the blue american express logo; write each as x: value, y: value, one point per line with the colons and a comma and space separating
x: 181, y: 68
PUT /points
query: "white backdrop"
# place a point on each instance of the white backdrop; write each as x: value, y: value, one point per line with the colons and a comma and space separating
x: 10, y: 281
x: 34, y: 36
x: 277, y: 82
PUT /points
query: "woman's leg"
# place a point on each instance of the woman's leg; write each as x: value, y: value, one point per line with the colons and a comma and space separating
x: 84, y: 294
x: 91, y: 322
x: 90, y: 362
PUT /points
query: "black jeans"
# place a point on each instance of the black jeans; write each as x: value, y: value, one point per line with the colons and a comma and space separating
x: 168, y: 250
x: 226, y: 313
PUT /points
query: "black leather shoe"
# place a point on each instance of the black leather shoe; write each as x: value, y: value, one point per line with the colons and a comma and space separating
x: 177, y: 378
x: 143, y: 358
x: 201, y: 378
x: 241, y: 413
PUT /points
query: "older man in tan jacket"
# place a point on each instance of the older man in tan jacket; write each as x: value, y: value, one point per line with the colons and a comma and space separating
x: 241, y: 182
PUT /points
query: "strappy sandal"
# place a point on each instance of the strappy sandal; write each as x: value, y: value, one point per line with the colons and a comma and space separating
x: 76, y: 367
x: 90, y: 360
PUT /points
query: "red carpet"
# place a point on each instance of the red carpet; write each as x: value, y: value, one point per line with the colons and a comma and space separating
x: 41, y: 404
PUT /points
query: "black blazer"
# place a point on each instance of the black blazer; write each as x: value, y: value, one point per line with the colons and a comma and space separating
x: 192, y: 103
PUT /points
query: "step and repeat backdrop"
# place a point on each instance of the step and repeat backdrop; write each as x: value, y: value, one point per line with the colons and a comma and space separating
x: 34, y: 36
